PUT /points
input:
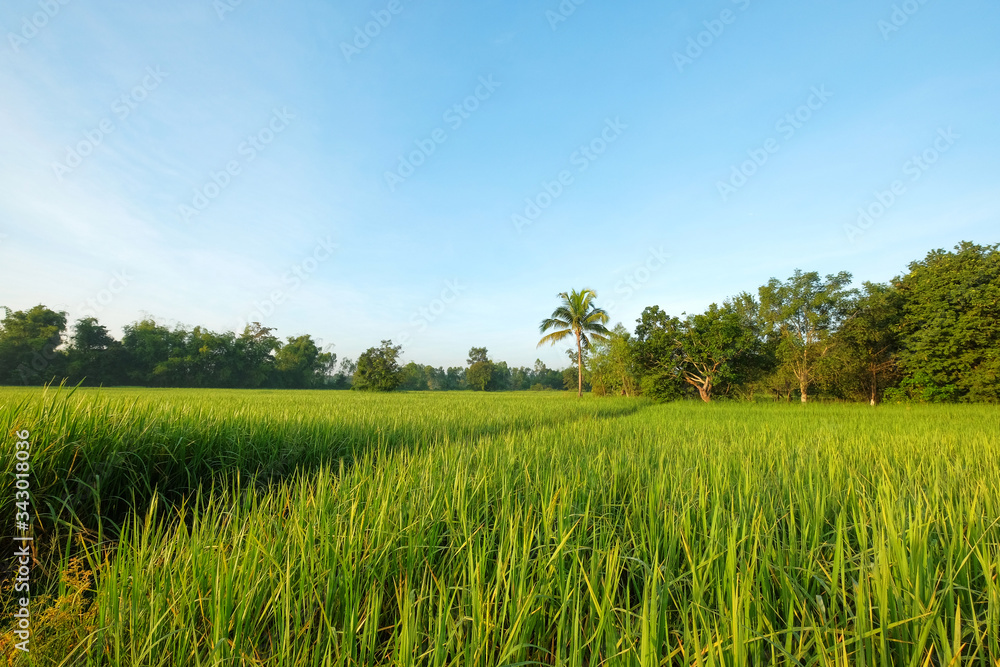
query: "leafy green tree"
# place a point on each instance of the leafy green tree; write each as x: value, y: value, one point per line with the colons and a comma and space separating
x: 571, y: 379
x: 951, y: 325
x: 300, y: 364
x: 613, y: 366
x: 520, y: 378
x: 149, y: 348
x: 864, y: 361
x: 94, y: 356
x: 577, y: 317
x: 781, y: 382
x: 802, y: 313
x: 546, y: 377
x: 750, y: 372
x: 437, y: 379
x: 479, y: 374
x: 212, y: 358
x: 201, y: 358
x: 378, y: 368
x: 89, y: 334
x: 500, y: 380
x: 539, y: 377
x: 254, y: 356
x: 29, y: 342
x: 414, y: 377
x: 658, y: 355
x: 711, y: 347
x: 455, y: 378
x: 344, y: 375
x: 159, y: 356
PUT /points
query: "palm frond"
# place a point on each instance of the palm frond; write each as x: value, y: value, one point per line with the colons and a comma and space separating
x: 555, y: 337
x: 597, y: 315
x: 553, y: 323
x: 562, y: 313
x: 588, y: 338
x: 576, y: 316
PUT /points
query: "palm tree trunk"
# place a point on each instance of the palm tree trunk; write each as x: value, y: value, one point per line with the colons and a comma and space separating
x: 579, y: 365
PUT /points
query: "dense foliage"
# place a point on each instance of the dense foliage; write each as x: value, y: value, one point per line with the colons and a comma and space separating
x: 930, y: 335
x: 378, y: 368
x: 950, y: 323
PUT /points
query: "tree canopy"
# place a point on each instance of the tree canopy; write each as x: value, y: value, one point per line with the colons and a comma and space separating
x: 801, y: 313
x: 378, y: 368
x: 950, y: 325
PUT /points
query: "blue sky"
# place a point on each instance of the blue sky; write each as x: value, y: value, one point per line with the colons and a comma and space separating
x: 212, y: 162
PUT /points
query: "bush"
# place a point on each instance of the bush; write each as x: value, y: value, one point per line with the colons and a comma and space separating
x: 378, y: 368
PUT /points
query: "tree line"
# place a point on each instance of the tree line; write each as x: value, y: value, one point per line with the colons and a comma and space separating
x: 930, y: 335
x: 35, y: 349
x: 378, y: 369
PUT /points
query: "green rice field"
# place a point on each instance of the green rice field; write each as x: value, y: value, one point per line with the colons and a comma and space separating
x: 207, y: 527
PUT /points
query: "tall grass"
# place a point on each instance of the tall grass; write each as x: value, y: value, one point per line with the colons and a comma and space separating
x: 98, y: 454
x: 580, y: 533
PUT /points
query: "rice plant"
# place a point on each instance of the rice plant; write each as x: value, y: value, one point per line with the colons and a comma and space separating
x: 298, y: 528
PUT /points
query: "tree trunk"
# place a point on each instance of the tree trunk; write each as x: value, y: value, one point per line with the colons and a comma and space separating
x: 803, y: 379
x: 705, y: 393
x: 579, y: 365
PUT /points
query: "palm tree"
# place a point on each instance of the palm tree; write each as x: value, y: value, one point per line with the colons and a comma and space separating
x: 577, y: 316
